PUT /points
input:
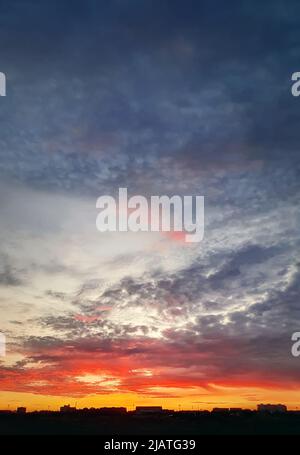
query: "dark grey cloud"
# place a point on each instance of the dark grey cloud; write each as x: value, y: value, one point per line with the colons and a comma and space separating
x: 110, y: 92
x: 91, y: 323
x: 254, y: 288
x: 56, y: 295
x: 10, y: 275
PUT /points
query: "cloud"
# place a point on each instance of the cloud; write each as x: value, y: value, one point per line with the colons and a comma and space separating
x: 207, y: 97
x: 9, y: 276
x: 249, y: 349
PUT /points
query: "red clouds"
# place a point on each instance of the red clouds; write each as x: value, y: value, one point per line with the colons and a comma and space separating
x: 143, y: 365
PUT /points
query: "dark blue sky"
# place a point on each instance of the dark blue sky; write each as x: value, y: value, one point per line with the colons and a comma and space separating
x: 200, y: 84
x: 163, y: 97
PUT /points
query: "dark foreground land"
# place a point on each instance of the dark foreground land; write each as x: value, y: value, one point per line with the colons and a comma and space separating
x: 176, y: 424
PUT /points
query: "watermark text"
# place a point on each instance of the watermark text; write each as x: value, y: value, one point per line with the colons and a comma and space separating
x: 155, y: 214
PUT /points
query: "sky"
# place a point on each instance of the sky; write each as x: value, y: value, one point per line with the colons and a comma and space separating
x: 160, y: 97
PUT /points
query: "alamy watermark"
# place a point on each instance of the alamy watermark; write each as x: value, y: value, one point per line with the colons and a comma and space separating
x: 295, y: 89
x: 155, y: 214
x: 296, y: 345
x: 2, y: 84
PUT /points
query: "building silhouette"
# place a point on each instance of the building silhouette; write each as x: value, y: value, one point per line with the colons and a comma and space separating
x: 220, y: 410
x: 146, y: 410
x: 21, y: 410
x: 67, y: 409
x: 271, y: 408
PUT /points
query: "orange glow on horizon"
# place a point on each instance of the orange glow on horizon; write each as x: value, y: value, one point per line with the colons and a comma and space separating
x: 226, y: 397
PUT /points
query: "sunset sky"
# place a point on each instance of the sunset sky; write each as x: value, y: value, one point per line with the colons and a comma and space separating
x: 160, y: 97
